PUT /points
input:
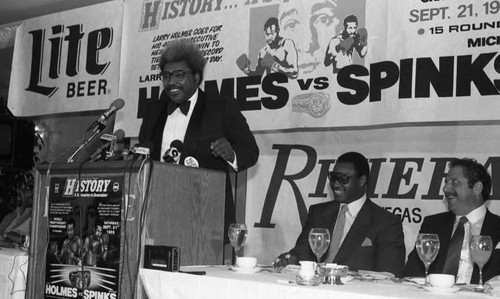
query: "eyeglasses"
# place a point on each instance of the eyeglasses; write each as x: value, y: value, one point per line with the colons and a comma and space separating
x: 342, y: 178
x: 178, y: 75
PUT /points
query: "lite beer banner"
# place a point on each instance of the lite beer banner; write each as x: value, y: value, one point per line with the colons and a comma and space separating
x: 67, y: 62
x: 334, y: 63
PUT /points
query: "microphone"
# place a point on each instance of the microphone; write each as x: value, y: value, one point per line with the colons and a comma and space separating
x: 142, y: 150
x: 173, y: 154
x: 100, y: 123
x: 107, y: 149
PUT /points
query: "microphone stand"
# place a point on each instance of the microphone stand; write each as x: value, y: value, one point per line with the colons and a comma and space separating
x: 99, y: 128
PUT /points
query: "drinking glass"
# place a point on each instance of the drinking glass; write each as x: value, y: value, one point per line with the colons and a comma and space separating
x: 480, y: 251
x: 237, y: 233
x: 319, y: 240
x: 427, y: 248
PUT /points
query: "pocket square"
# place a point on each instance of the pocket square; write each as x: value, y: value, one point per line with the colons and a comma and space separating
x: 498, y: 246
x: 367, y: 243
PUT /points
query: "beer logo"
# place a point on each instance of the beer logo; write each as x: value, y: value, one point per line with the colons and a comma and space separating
x: 65, y: 43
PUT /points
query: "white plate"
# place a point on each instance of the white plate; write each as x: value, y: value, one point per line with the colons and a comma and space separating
x: 441, y: 290
x: 245, y: 270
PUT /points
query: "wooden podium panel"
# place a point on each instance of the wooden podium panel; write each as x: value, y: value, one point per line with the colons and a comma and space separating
x: 162, y: 204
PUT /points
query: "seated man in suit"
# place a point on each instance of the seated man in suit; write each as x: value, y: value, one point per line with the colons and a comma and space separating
x: 365, y: 236
x: 466, y: 188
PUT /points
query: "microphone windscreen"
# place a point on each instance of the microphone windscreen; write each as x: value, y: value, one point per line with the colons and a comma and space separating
x: 120, y: 134
x: 177, y: 144
x: 118, y: 104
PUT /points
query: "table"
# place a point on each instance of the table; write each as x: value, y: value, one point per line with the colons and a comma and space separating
x: 13, y: 273
x: 220, y: 282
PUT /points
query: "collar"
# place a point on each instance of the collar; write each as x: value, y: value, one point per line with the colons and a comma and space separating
x: 355, y: 206
x: 475, y: 215
x: 185, y: 107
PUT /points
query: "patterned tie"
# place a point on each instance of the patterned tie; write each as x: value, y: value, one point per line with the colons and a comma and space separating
x: 338, y: 231
x: 184, y: 107
x: 455, y: 248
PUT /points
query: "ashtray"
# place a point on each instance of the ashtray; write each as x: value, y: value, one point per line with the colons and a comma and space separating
x: 332, y: 273
x: 308, y: 281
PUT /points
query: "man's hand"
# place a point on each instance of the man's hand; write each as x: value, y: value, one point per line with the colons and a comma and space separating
x: 283, y: 260
x: 222, y: 148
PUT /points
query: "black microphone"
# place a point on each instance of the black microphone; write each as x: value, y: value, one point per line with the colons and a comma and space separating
x: 107, y: 149
x: 141, y: 150
x: 173, y: 154
x: 100, y: 123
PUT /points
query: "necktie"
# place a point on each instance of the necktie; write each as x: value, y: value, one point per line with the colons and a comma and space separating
x: 338, y: 232
x: 455, y: 248
x: 184, y: 107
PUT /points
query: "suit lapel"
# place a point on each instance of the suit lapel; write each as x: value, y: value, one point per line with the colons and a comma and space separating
x: 193, y: 130
x: 444, y: 229
x: 490, y: 228
x: 356, y: 234
x: 160, y: 114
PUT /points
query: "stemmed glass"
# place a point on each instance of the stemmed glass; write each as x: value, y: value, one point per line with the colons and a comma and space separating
x: 480, y: 251
x: 237, y: 234
x: 427, y: 249
x: 319, y: 240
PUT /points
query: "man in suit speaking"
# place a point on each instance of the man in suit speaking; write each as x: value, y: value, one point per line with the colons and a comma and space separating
x: 364, y: 236
x: 207, y: 132
x: 467, y: 187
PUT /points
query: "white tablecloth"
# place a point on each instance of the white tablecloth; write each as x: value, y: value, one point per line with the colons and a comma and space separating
x: 220, y: 282
x: 13, y: 273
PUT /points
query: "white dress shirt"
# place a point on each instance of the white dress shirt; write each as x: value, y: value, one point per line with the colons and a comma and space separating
x: 176, y: 126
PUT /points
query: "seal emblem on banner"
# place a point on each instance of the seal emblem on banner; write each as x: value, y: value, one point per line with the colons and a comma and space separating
x: 315, y: 104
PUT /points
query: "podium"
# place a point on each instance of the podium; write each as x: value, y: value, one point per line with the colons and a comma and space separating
x: 160, y: 204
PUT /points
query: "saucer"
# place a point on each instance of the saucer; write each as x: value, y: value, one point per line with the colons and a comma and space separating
x: 245, y: 270
x: 441, y: 290
x: 417, y: 280
x: 347, y: 278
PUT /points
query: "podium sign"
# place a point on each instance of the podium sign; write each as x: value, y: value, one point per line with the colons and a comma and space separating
x: 92, y: 221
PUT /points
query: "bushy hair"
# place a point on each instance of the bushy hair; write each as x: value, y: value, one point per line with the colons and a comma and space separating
x: 184, y: 50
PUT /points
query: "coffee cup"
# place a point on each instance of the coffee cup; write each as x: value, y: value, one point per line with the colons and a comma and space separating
x: 442, y: 280
x: 246, y: 262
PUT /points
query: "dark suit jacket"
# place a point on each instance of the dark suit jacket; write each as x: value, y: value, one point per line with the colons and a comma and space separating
x: 374, y: 242
x: 212, y: 118
x: 442, y: 225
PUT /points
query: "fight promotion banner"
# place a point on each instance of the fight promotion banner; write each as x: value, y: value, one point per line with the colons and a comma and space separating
x: 324, y: 63
x: 67, y: 62
x: 84, y: 237
x: 408, y: 167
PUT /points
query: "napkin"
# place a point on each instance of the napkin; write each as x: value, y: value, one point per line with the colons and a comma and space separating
x: 375, y: 275
x: 494, y: 284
